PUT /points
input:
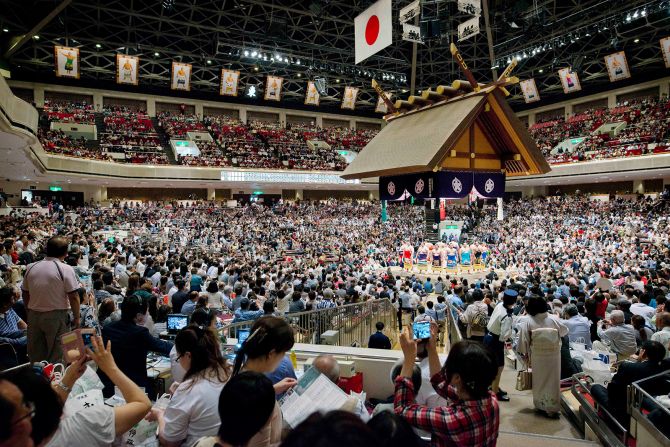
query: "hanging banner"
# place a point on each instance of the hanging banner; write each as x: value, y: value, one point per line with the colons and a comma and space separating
x: 468, y: 28
x: 273, y: 87
x: 617, y: 66
x: 127, y: 68
x: 409, y: 12
x: 381, y: 105
x: 569, y: 80
x: 391, y: 188
x: 67, y: 62
x: 665, y: 49
x: 421, y: 186
x: 349, y: 99
x: 312, y: 96
x: 229, y: 82
x: 529, y: 90
x: 489, y: 185
x: 181, y: 76
x: 472, y: 7
x: 453, y: 184
x: 411, y: 33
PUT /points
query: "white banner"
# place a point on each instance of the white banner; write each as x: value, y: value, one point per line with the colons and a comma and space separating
x: 181, y: 76
x: 410, y: 11
x: 473, y: 7
x: 126, y: 69
x: 67, y: 62
x: 665, y: 49
x: 468, y: 28
x: 273, y: 88
x: 411, y: 33
x: 349, y: 100
x: 529, y: 90
x: 229, y: 82
x: 312, y: 96
x: 569, y: 80
x: 617, y: 66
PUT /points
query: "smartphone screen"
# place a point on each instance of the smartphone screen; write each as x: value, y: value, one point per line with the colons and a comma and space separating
x: 421, y: 330
x: 87, y: 340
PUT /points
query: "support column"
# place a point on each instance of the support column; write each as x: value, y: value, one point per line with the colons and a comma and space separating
x: 97, y: 101
x: 211, y: 194
x: 611, y: 101
x: 38, y: 97
x: 243, y: 115
x: 638, y: 186
x: 500, y: 208
x: 298, y: 194
x: 352, y: 124
x: 664, y: 89
x: 568, y: 111
x: 151, y: 107
x: 531, y: 119
x: 319, y: 121
x: 282, y: 119
x: 199, y: 110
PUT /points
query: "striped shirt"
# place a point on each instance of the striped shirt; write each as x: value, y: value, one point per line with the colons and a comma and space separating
x: 9, y: 322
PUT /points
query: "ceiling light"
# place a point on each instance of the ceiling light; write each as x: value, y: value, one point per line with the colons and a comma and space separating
x: 5, y: 30
x: 246, y: 53
x: 299, y: 75
x: 541, y: 70
x: 254, y: 53
x: 156, y: 54
x: 255, y: 68
x: 278, y: 57
x: 337, y: 80
x: 209, y: 61
x: 636, y: 15
x: 36, y: 37
x: 97, y: 45
x: 636, y: 40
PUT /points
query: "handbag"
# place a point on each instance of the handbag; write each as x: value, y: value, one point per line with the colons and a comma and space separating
x: 524, y: 380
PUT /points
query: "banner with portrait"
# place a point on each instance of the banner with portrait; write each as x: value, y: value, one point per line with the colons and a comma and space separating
x: 67, y: 62
x: 472, y: 7
x: 127, y: 68
x: 181, y: 76
x: 381, y: 105
x: 349, y: 99
x: 529, y: 90
x: 312, y: 96
x: 665, y: 49
x: 569, y: 80
x: 617, y: 66
x: 273, y: 87
x: 229, y: 82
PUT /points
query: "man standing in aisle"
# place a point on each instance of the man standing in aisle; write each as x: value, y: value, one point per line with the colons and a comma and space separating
x: 49, y: 290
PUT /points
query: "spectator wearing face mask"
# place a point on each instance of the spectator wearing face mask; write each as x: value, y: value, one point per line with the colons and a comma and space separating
x: 130, y: 344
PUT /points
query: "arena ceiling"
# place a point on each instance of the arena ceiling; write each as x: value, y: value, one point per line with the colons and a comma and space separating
x: 214, y: 34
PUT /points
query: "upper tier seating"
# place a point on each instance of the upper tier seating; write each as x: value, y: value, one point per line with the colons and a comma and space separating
x: 69, y: 112
x: 131, y: 136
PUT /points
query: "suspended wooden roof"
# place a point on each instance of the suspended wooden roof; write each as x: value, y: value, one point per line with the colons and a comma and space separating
x: 477, y: 131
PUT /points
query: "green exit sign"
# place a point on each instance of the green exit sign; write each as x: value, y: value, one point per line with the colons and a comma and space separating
x: 181, y: 143
x: 451, y: 227
x: 55, y: 188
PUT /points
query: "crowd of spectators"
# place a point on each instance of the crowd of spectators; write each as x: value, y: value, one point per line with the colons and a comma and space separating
x: 647, y: 131
x: 56, y: 142
x: 176, y: 125
x: 131, y: 134
x: 80, y: 112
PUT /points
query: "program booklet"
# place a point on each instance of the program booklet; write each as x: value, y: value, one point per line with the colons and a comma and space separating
x: 314, y: 392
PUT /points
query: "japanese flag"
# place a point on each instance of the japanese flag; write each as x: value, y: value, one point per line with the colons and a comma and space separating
x: 374, y: 30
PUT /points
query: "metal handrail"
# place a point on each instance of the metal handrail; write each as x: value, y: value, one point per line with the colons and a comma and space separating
x: 354, y: 323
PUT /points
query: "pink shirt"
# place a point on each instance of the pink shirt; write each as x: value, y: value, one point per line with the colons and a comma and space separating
x: 48, y: 282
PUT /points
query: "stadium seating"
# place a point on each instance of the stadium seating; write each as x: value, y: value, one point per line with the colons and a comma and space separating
x: 129, y: 136
x: 69, y: 112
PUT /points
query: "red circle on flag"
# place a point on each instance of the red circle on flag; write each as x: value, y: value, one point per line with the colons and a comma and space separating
x: 372, y: 30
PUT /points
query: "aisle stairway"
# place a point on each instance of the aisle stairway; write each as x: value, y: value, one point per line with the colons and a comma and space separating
x: 99, y: 124
x: 430, y: 234
x: 165, y: 141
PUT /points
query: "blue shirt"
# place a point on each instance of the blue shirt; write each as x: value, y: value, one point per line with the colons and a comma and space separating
x: 428, y: 287
x: 188, y: 307
x: 9, y: 322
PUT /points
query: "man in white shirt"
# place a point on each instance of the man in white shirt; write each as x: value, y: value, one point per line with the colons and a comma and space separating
x: 328, y: 366
x: 643, y: 308
x: 663, y: 335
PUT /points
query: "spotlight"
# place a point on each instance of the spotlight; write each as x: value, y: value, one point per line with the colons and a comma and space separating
x: 643, y: 13
x: 36, y: 37
x: 156, y: 54
x: 297, y: 62
x: 337, y: 80
x: 299, y: 75
x: 636, y: 40
x: 246, y: 53
x: 97, y: 45
x: 5, y: 30
x: 628, y: 18
x: 278, y: 56
x: 636, y: 15
x: 541, y: 70
x: 256, y: 68
x: 286, y: 60
x: 254, y: 53
x: 209, y: 62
